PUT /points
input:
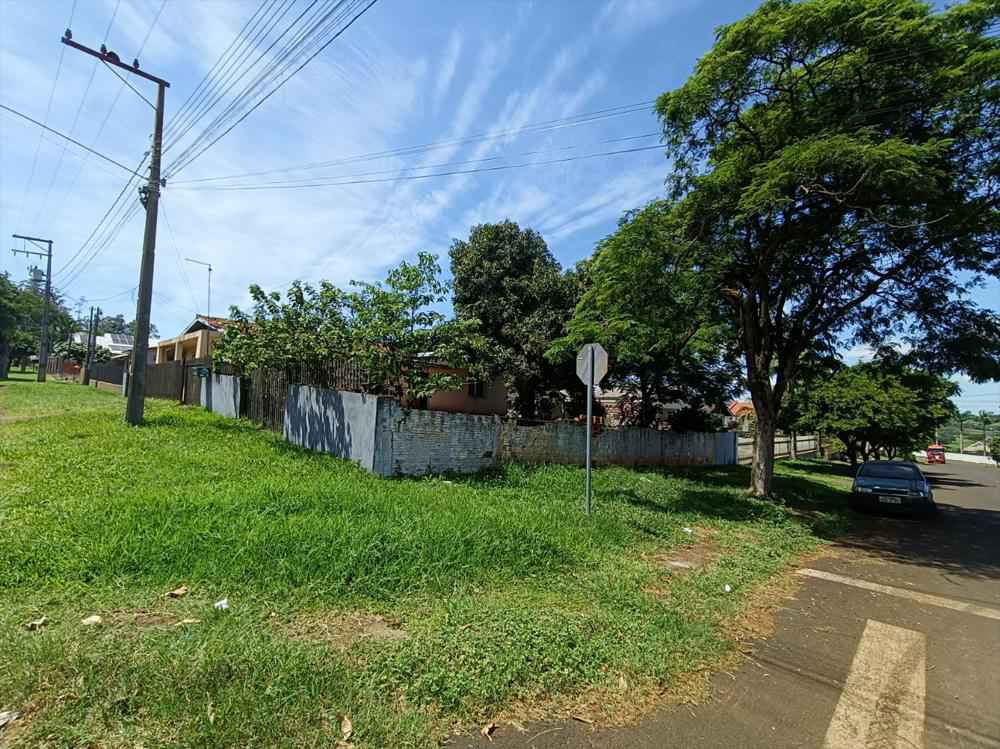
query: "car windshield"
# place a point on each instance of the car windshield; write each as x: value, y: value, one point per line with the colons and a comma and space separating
x: 888, y: 470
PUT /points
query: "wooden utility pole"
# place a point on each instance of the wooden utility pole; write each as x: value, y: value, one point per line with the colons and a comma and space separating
x: 150, y: 197
x: 85, y: 372
x: 43, y: 344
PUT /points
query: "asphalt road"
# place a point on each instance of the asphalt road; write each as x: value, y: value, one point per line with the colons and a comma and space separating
x: 893, y: 641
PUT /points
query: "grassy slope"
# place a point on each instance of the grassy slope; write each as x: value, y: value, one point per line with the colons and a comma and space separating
x: 507, y: 591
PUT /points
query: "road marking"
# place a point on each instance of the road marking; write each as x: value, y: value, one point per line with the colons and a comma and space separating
x: 882, y: 704
x: 946, y: 603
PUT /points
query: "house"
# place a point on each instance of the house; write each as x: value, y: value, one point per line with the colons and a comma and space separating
x: 195, y: 341
x: 477, y: 397
x: 117, y: 343
x: 742, y: 416
x: 619, y: 406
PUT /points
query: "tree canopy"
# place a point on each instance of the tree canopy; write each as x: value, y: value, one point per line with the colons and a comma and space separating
x: 505, y: 278
x: 876, y: 408
x: 391, y: 330
x: 836, y: 178
x: 660, y: 324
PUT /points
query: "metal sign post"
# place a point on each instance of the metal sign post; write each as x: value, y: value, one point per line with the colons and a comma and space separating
x: 591, y: 366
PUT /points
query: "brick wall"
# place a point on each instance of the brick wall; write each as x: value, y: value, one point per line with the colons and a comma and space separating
x: 561, y: 442
x: 418, y: 442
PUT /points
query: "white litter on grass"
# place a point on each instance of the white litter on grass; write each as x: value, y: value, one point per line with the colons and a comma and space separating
x: 728, y: 588
x: 687, y: 530
x: 8, y: 716
x: 91, y: 621
x: 222, y: 605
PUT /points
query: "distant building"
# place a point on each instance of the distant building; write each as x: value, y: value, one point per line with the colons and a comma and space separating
x: 196, y: 341
x: 742, y: 415
x: 116, y: 343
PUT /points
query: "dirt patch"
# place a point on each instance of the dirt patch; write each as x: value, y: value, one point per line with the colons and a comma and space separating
x: 700, y: 552
x: 342, y: 631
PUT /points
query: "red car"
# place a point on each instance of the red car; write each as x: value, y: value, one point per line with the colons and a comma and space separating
x: 935, y: 453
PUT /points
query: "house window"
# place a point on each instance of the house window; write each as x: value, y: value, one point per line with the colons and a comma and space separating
x: 476, y: 389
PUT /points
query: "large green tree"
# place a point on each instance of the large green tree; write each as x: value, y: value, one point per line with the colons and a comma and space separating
x: 661, y: 326
x: 505, y: 278
x: 877, y: 408
x: 835, y: 167
x: 11, y: 311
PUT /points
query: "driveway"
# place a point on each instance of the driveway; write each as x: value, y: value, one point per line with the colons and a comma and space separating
x: 892, y: 641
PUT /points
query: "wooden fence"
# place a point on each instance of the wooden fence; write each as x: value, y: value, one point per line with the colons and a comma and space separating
x: 804, y: 445
x: 263, y: 391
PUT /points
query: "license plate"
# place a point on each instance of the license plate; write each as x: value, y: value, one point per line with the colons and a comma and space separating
x: 890, y: 500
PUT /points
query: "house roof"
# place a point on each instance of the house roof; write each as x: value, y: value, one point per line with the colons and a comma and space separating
x: 741, y: 408
x: 202, y: 322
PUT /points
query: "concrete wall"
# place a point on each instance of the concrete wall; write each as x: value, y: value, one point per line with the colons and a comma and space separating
x: 417, y: 442
x: 221, y: 394
x: 340, y: 423
x: 561, y: 442
x: 390, y: 440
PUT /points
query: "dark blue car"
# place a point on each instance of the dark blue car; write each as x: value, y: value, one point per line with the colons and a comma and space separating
x: 893, y: 485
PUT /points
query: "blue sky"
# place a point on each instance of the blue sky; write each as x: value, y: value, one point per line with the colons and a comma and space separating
x: 406, y: 73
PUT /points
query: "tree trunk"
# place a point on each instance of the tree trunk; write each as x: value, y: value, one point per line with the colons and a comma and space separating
x: 4, y: 359
x: 793, y: 448
x: 762, y: 470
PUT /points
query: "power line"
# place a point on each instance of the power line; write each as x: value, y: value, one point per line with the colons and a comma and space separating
x: 270, y: 93
x: 177, y: 257
x: 114, y: 103
x: 100, y: 223
x: 427, y: 176
x: 201, y: 99
x: 48, y: 111
x: 71, y: 140
x: 536, y: 127
x: 76, y: 119
x: 230, y: 82
x: 401, y: 170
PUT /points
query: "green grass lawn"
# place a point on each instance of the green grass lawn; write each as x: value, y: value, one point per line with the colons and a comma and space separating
x: 473, y: 596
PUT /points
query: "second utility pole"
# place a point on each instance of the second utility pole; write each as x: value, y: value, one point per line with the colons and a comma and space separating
x: 150, y: 199
x: 43, y: 348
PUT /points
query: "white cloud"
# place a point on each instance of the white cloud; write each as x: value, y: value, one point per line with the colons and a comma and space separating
x: 625, y: 17
x: 447, y: 68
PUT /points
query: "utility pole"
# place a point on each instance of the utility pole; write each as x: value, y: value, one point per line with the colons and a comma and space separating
x: 43, y: 345
x: 150, y: 197
x: 208, y: 312
x: 85, y: 374
x: 961, y: 436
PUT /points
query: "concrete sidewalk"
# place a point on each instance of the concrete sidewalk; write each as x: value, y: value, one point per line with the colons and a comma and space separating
x: 894, y: 641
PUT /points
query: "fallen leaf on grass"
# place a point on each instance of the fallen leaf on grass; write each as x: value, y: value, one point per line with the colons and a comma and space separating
x: 179, y: 592
x: 184, y: 622
x: 622, y: 683
x: 92, y: 621
x: 211, y: 713
x: 346, y: 727
x: 37, y: 623
x: 488, y: 730
x: 582, y: 719
x: 8, y: 716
